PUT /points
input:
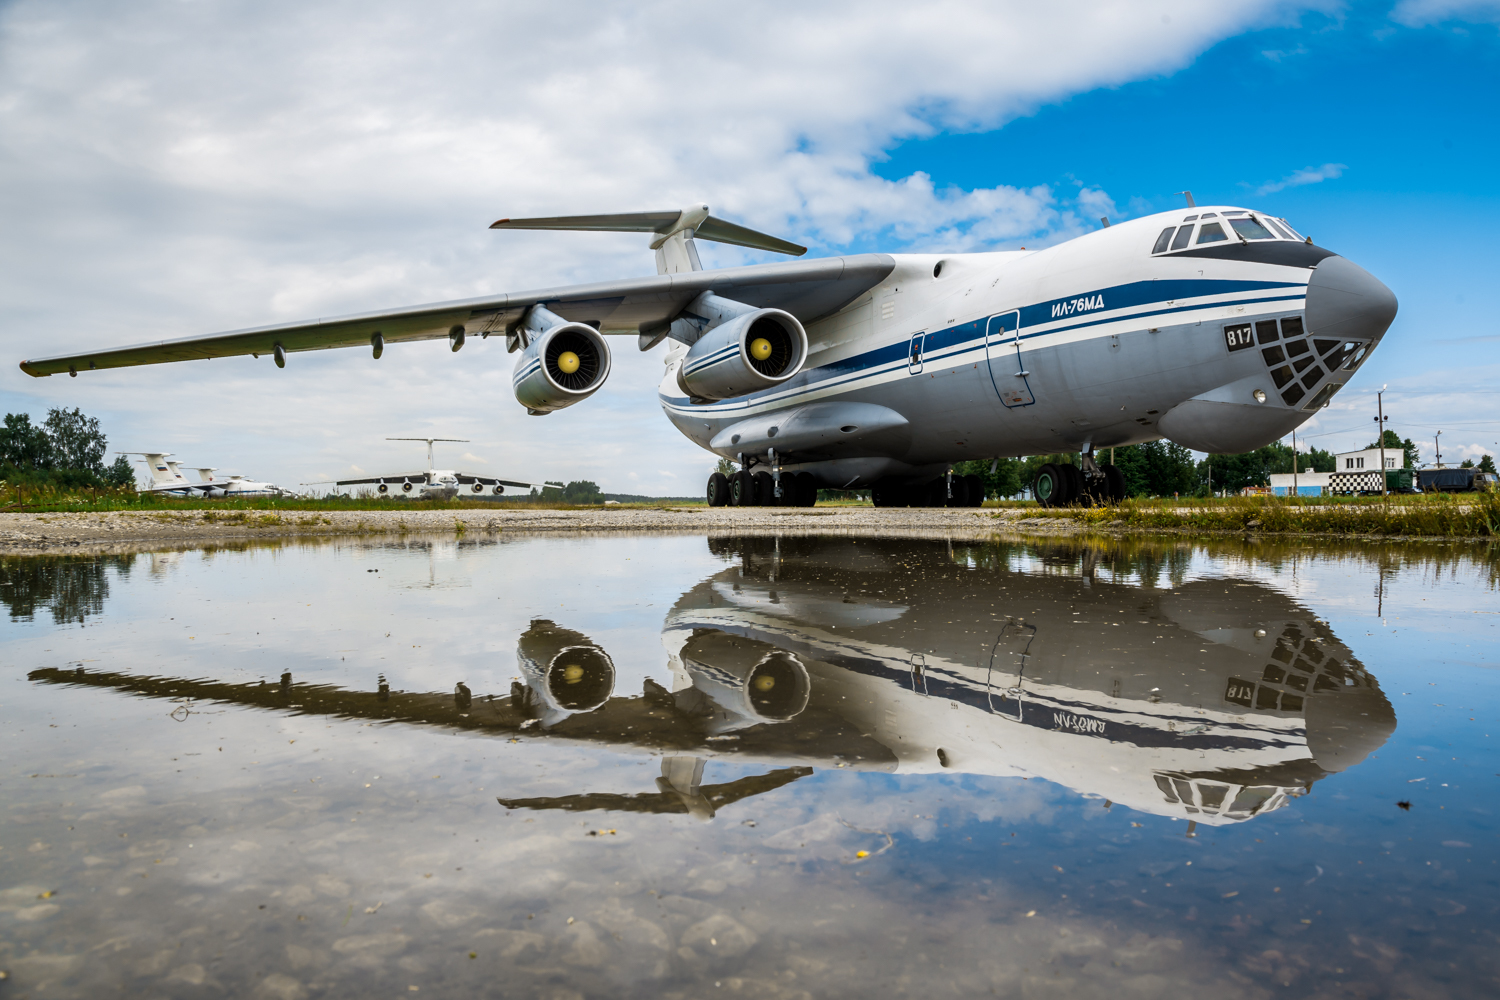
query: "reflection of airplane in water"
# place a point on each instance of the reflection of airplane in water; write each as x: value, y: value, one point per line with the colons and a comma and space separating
x: 1214, y: 700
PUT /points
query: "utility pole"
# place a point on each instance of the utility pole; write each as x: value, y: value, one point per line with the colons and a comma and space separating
x: 1380, y: 423
x: 1294, y: 463
x: 1438, y: 449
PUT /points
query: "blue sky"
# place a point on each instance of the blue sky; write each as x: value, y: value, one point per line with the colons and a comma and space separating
x: 1403, y: 124
x: 169, y: 170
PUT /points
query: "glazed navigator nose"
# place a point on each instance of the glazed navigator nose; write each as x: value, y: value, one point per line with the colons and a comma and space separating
x: 1346, y: 302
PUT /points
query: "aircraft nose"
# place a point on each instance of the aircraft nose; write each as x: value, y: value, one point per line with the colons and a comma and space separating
x: 1346, y: 302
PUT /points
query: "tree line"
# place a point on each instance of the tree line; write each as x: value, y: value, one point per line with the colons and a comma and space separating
x: 66, y: 449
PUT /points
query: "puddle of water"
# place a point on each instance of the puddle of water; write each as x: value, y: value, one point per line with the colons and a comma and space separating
x: 798, y: 766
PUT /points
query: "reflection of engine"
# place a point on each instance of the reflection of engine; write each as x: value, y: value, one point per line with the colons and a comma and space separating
x: 739, y: 682
x: 565, y: 673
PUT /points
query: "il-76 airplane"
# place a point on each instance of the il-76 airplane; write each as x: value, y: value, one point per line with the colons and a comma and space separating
x: 1220, y: 328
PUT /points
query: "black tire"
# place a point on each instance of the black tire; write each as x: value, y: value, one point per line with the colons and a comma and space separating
x: 742, y: 489
x: 807, y: 489
x: 884, y: 494
x: 976, y: 491
x: 1115, y: 481
x: 718, y: 490
x: 1073, y: 477
x: 1049, y: 488
x: 765, y: 489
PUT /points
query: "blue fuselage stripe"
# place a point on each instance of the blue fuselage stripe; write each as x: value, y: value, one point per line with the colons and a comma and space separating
x: 944, y: 345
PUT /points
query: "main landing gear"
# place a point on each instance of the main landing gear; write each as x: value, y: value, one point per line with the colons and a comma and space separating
x: 1066, y: 484
x: 945, y: 491
x: 758, y: 489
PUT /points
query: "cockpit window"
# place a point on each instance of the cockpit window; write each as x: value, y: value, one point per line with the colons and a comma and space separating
x: 1163, y: 240
x: 1183, y: 235
x: 1250, y: 229
x: 1211, y: 233
x: 1279, y: 230
x: 1288, y: 227
x: 1209, y: 215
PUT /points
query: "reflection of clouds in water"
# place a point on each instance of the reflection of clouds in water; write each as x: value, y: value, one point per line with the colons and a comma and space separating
x: 657, y: 904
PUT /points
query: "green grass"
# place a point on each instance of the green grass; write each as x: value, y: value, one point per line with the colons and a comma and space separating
x: 1443, y: 515
x: 53, y: 500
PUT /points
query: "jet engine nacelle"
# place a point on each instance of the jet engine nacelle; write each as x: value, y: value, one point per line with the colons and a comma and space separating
x: 406, y: 487
x: 383, y: 489
x: 563, y: 363
x: 756, y: 350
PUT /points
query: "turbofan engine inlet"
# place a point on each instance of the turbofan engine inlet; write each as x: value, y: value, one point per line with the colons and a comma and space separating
x: 563, y: 363
x: 757, y: 349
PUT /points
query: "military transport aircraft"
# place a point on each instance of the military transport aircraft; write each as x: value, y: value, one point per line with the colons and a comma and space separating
x: 1196, y: 701
x: 1220, y: 328
x: 167, y: 477
x: 435, y: 484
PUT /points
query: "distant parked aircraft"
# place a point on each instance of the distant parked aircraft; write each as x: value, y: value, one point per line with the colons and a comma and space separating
x: 166, y: 477
x: 436, y: 484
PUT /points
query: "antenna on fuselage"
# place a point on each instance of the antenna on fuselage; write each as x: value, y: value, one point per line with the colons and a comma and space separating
x: 1189, y: 196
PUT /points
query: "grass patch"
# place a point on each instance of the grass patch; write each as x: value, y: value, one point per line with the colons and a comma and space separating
x: 1442, y: 515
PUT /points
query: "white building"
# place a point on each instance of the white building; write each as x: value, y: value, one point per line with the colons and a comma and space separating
x: 1316, y: 483
x: 1359, y: 461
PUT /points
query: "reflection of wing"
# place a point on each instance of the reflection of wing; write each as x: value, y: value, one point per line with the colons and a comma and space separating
x: 808, y: 289
x: 718, y: 796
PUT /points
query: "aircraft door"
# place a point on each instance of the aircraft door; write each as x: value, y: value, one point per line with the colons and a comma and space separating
x: 914, y: 360
x: 1007, y: 668
x: 1002, y: 349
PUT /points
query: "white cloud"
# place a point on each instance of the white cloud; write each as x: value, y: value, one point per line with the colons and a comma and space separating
x: 1307, y: 175
x: 469, y: 456
x: 171, y: 169
x: 1419, y: 13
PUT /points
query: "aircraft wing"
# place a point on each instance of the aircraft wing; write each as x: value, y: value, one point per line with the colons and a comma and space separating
x: 414, y: 477
x: 485, y: 481
x: 808, y: 289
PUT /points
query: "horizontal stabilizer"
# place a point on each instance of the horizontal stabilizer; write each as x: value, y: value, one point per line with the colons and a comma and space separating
x: 663, y: 224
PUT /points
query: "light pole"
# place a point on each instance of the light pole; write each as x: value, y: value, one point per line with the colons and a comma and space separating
x: 1294, y: 463
x: 1380, y: 426
x: 1439, y: 461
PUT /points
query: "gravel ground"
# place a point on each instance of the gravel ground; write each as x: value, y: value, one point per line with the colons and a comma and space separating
x: 42, y: 533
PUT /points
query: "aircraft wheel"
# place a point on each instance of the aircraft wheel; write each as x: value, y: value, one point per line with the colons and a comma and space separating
x: 976, y: 491
x: 882, y: 494
x: 1049, y: 488
x: 765, y: 490
x: 741, y: 489
x: 807, y: 489
x: 1115, y: 481
x: 1073, y: 477
x: 718, y: 490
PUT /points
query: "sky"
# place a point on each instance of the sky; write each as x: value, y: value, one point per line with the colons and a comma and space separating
x: 172, y: 168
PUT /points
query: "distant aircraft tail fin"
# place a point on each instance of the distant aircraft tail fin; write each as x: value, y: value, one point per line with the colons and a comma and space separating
x: 675, y: 251
x: 162, y: 471
x: 205, y: 475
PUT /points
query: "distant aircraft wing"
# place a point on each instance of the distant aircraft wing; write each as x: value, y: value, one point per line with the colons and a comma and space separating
x: 808, y: 289
x: 415, y: 477
x: 484, y: 481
